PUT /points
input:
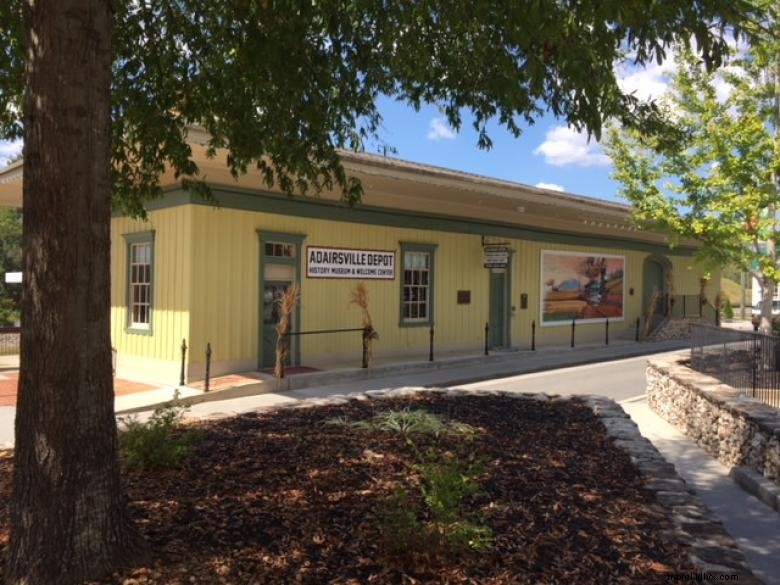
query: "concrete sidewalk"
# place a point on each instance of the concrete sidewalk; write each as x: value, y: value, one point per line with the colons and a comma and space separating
x: 445, y: 372
x: 752, y: 524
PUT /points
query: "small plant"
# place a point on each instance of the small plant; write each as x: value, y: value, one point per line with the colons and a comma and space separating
x: 401, y: 530
x: 156, y: 444
x: 728, y: 310
x: 408, y: 421
x: 446, y: 481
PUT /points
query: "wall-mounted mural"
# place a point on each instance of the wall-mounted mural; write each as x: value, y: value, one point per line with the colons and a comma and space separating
x: 585, y: 287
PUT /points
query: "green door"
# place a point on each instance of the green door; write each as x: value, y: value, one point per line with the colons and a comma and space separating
x: 272, y: 292
x: 497, y: 321
x: 653, y: 279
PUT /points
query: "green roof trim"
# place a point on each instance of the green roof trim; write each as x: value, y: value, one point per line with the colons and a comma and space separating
x: 316, y: 208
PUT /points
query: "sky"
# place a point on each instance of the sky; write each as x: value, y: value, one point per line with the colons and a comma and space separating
x: 547, y: 154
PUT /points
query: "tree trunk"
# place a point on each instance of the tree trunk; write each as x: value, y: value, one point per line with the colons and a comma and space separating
x: 69, y: 520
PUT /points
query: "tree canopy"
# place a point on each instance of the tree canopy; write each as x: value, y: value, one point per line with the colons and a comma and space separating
x: 712, y: 175
x: 284, y: 85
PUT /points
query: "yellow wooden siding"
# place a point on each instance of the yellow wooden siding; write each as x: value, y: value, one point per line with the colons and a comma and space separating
x: 171, y: 284
x: 226, y: 273
x: 226, y: 265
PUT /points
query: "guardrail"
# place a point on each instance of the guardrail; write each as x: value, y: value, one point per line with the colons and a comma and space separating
x: 748, y: 362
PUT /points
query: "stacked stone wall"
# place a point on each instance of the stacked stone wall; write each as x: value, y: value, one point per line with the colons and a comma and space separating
x: 737, y: 430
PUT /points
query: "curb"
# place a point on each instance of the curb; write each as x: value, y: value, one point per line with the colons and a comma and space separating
x: 301, y: 381
x: 757, y: 485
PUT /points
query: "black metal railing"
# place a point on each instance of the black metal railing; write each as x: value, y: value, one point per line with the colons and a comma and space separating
x: 9, y: 340
x: 748, y: 362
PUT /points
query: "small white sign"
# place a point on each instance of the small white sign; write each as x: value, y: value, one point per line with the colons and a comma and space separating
x: 324, y: 262
x: 13, y: 277
x: 496, y: 256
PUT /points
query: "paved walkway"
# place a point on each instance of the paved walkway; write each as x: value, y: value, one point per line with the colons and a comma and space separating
x: 752, y: 524
x: 444, y: 373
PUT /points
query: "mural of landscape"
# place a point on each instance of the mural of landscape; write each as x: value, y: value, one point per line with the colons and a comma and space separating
x: 586, y: 287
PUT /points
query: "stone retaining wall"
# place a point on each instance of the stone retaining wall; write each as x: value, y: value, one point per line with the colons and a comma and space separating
x: 737, y: 430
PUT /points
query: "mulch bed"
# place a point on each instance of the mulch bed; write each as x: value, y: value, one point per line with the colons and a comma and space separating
x: 282, y: 498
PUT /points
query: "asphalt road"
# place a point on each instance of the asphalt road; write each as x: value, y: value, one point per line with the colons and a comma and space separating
x: 619, y: 380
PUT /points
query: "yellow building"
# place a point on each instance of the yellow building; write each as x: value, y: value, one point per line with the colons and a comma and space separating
x: 420, y: 241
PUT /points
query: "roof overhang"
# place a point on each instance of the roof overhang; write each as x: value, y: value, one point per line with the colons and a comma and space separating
x: 11, y: 185
x: 420, y: 189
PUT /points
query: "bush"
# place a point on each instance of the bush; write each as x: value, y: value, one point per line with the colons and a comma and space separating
x: 157, y: 443
x: 446, y: 483
x: 401, y: 531
x: 728, y: 310
x: 408, y: 421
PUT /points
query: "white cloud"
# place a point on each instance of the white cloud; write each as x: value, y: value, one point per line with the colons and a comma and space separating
x: 9, y: 150
x: 564, y: 146
x: 439, y: 130
x: 648, y: 82
x: 550, y: 186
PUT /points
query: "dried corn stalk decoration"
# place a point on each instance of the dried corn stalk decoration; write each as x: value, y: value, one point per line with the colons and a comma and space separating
x: 287, y: 303
x: 360, y: 298
x: 651, y: 311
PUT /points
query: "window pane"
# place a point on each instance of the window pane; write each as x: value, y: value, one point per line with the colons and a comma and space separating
x: 424, y: 278
x: 407, y: 277
x: 269, y: 249
x: 413, y: 310
x: 422, y: 311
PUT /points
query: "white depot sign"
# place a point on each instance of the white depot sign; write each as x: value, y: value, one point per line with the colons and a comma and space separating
x: 324, y: 262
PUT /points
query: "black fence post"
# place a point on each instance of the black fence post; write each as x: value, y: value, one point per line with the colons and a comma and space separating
x: 637, y: 330
x: 183, y: 358
x: 430, y: 349
x: 685, y: 306
x: 573, y: 322
x: 533, y: 335
x: 755, y: 366
x: 365, y: 334
x: 717, y: 316
x: 487, y: 331
x: 208, y: 367
x: 606, y: 332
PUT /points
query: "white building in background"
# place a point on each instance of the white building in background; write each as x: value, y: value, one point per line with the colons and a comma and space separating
x: 757, y: 293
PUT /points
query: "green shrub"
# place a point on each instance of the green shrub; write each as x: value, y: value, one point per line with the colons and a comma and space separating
x: 465, y: 535
x: 400, y: 528
x: 445, y: 482
x: 157, y: 443
x: 728, y: 310
x: 408, y: 421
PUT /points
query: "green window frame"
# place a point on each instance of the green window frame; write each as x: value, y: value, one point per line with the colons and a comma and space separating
x: 139, y: 286
x: 417, y: 282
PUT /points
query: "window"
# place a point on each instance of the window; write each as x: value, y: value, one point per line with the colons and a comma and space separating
x: 139, y: 281
x: 280, y: 249
x: 417, y: 284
